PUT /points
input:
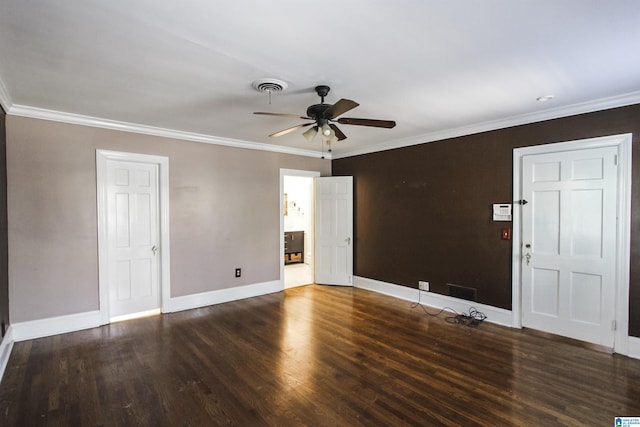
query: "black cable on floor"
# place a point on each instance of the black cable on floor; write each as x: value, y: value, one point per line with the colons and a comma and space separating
x: 473, y: 319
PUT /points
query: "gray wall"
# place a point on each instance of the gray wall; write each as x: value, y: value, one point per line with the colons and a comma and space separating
x: 224, y: 213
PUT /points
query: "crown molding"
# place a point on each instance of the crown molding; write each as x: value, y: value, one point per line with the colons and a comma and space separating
x: 5, y: 99
x: 550, y: 114
x: 554, y: 113
x: 60, y: 116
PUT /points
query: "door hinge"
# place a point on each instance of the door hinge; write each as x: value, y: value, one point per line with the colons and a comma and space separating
x: 615, y: 159
x: 614, y: 326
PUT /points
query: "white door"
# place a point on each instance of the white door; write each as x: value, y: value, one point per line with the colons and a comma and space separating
x: 569, y: 243
x: 334, y: 230
x: 132, y: 237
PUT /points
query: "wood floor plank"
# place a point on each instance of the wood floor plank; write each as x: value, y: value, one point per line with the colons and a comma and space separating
x: 313, y: 356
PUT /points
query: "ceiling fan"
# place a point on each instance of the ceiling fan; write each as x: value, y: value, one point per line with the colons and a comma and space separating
x: 324, y: 117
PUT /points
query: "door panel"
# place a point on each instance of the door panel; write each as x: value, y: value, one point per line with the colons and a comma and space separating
x: 569, y: 243
x: 546, y: 222
x: 586, y: 290
x: 133, y: 236
x: 545, y: 292
x: 585, y: 241
x: 334, y: 230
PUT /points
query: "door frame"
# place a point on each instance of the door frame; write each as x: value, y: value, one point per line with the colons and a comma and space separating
x: 623, y: 142
x: 283, y: 173
x: 102, y: 157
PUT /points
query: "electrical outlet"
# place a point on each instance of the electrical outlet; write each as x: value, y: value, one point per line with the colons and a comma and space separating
x: 238, y: 272
x: 423, y: 286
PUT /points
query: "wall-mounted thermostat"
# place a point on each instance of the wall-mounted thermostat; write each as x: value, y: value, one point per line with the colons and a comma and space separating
x: 502, y: 212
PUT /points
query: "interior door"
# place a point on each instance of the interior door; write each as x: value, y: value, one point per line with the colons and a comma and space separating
x: 569, y: 243
x: 334, y: 230
x: 132, y: 234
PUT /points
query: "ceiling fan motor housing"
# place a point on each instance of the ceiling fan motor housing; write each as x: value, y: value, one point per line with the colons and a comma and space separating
x: 316, y: 112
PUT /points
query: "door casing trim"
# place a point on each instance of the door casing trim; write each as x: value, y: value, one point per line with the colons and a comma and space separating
x: 623, y: 230
x: 102, y: 157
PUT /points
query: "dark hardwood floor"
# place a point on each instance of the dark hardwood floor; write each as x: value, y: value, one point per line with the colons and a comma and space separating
x: 313, y: 356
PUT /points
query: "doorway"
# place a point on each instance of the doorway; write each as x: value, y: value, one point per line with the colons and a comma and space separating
x: 571, y: 239
x: 133, y: 233
x: 297, y: 227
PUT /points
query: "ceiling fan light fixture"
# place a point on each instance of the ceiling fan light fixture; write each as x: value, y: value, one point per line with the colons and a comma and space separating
x: 327, y: 132
x: 310, y: 133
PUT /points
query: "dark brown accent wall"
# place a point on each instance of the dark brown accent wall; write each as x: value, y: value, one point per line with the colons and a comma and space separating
x: 424, y: 212
x: 4, y: 275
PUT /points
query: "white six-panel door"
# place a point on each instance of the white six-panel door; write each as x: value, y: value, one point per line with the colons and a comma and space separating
x: 334, y: 230
x: 133, y: 237
x: 569, y: 243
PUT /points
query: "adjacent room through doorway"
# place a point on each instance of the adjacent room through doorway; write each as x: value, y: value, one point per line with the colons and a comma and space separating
x: 298, y: 220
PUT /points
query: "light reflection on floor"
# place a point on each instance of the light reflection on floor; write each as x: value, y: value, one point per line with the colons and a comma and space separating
x: 297, y: 362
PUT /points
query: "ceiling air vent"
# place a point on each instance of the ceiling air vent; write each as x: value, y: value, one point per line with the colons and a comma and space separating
x: 269, y: 85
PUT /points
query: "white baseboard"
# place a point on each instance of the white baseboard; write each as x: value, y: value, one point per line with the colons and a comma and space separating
x: 5, y: 350
x: 634, y: 347
x: 204, y: 299
x: 494, y: 314
x: 75, y: 322
x: 386, y: 288
x: 55, y: 325
x: 33, y: 329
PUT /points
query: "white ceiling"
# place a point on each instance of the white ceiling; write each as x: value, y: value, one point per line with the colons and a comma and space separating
x: 438, y: 68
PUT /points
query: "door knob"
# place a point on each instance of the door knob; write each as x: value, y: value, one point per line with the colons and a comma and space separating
x: 348, y: 240
x: 154, y: 249
x: 527, y: 257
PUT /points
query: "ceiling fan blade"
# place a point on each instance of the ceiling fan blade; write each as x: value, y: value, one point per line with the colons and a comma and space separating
x: 340, y: 107
x: 367, y: 122
x: 281, y: 115
x: 338, y: 132
x: 291, y: 129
